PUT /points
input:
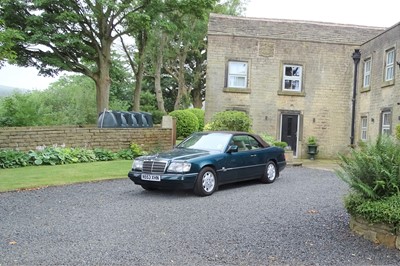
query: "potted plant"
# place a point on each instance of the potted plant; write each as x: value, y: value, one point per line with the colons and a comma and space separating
x: 312, y: 147
x: 287, y: 148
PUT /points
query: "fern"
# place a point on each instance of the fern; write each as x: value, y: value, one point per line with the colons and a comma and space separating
x: 374, y: 169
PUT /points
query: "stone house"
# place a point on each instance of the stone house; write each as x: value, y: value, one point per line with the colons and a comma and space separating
x: 298, y: 79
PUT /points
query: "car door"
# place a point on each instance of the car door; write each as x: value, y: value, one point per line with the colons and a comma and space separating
x: 255, y: 158
x: 246, y: 163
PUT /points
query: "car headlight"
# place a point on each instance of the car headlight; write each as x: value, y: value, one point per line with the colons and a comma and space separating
x: 137, y: 165
x: 179, y: 167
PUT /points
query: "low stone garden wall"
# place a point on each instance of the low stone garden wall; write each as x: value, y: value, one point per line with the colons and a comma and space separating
x: 377, y: 233
x: 28, y: 138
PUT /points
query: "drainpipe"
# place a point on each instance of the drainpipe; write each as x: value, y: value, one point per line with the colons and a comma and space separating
x: 356, y: 58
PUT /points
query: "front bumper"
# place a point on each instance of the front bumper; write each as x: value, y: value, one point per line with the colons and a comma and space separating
x: 168, y: 181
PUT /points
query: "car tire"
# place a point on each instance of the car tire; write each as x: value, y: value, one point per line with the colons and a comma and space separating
x: 206, y: 182
x: 147, y: 187
x: 270, y: 173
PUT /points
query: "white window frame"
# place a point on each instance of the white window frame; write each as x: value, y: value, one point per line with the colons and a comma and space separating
x: 367, y: 73
x: 389, y: 65
x: 386, y: 122
x: 237, y: 78
x: 292, y: 79
x: 364, y: 128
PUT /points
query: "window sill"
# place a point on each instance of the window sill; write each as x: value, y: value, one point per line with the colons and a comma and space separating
x: 292, y: 93
x: 387, y: 83
x: 365, y: 89
x: 237, y: 90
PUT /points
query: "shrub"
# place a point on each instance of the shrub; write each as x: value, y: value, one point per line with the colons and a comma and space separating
x: 136, y: 150
x: 60, y: 155
x: 281, y: 144
x: 373, y: 171
x: 104, y: 155
x: 48, y: 156
x: 268, y: 138
x: 128, y: 154
x: 375, y: 211
x: 157, y: 116
x: 125, y: 154
x: 13, y: 159
x: 186, y: 123
x: 230, y: 121
x: 200, y: 117
x: 398, y: 131
x: 82, y: 155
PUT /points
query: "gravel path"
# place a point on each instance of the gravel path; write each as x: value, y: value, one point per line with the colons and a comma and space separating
x: 298, y: 220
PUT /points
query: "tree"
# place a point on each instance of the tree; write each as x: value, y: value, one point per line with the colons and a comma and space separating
x: 6, y: 43
x: 197, y: 57
x: 177, y: 49
x: 162, y: 15
x: 70, y: 35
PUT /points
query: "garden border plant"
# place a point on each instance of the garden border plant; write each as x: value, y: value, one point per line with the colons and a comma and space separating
x: 58, y: 155
x: 373, y: 173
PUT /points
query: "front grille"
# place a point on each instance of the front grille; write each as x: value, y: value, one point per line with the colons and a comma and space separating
x: 154, y: 166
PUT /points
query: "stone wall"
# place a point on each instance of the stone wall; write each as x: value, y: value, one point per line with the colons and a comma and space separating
x: 380, y: 95
x: 323, y: 105
x: 377, y: 233
x: 27, y: 138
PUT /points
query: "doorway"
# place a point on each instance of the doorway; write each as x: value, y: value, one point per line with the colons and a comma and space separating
x: 289, y: 130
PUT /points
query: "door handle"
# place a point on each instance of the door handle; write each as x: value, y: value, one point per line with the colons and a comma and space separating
x: 253, y: 155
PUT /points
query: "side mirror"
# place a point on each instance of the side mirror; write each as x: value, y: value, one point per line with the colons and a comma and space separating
x: 232, y: 148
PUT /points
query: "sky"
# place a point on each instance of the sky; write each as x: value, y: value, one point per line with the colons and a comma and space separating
x: 382, y: 13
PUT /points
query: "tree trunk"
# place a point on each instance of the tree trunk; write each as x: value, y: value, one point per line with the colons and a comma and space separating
x: 103, y: 81
x: 138, y: 88
x: 157, y: 75
x: 197, y: 85
x: 182, y: 101
x: 102, y: 93
x: 142, y: 42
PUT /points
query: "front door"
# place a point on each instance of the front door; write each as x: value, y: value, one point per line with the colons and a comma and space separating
x: 289, y: 131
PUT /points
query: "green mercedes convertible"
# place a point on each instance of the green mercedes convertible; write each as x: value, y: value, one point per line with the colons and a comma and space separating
x: 205, y: 160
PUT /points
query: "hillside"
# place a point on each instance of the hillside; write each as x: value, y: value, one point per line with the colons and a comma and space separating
x: 7, y: 91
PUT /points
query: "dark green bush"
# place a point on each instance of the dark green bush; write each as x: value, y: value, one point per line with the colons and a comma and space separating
x: 373, y: 174
x: 374, y: 170
x: 230, y: 121
x: 375, y: 211
x: 157, y: 116
x: 199, y: 113
x: 186, y: 123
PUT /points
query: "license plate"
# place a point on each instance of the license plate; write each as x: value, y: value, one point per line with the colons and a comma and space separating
x: 148, y: 177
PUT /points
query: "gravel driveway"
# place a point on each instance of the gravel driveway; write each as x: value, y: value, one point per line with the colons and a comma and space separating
x: 298, y: 220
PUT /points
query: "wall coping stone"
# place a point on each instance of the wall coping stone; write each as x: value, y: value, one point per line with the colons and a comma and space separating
x: 380, y: 233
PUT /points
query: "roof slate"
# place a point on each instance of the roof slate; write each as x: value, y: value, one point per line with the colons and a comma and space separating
x: 291, y: 29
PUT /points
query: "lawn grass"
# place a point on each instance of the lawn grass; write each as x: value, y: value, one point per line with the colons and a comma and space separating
x: 42, y: 176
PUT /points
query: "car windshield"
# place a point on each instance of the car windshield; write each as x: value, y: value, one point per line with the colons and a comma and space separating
x: 208, y: 142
